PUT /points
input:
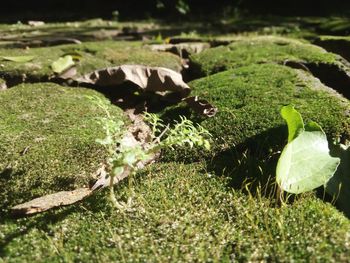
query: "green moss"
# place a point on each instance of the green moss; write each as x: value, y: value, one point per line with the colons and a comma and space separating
x: 94, y: 55
x: 89, y: 30
x: 262, y: 49
x: 248, y: 131
x: 180, y: 214
x: 48, y: 137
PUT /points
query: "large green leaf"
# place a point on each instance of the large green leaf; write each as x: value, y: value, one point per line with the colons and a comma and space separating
x: 294, y: 121
x: 62, y: 64
x: 19, y: 59
x: 305, y: 163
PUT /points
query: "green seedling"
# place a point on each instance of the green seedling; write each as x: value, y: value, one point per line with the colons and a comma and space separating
x: 124, y: 157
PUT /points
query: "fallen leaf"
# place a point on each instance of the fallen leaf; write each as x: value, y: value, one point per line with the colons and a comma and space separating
x: 201, y: 106
x: 19, y: 59
x: 62, y: 64
x: 138, y: 134
x: 61, y: 41
x: 69, y: 73
x: 162, y: 81
x: 183, y: 50
x: 154, y: 79
x: 3, y: 86
x: 46, y: 202
x: 36, y: 23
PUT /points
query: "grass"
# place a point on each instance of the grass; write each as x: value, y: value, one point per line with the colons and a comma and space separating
x: 48, y: 137
x: 180, y: 214
x: 94, y: 55
x: 259, y: 49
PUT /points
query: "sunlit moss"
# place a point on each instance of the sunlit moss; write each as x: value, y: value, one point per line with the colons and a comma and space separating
x: 48, y: 135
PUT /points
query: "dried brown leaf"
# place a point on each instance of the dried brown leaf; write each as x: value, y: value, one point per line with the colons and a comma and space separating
x: 154, y: 79
x: 46, y: 202
x: 182, y: 49
x: 201, y: 106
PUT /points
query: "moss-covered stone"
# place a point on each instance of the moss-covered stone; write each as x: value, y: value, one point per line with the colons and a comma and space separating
x: 48, y: 137
x: 248, y: 130
x: 261, y: 49
x: 181, y: 213
x: 89, y: 30
x: 93, y: 55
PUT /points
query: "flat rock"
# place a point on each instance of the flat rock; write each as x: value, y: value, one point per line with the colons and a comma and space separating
x: 249, y: 100
x: 88, y: 57
x: 244, y: 51
x: 48, y: 135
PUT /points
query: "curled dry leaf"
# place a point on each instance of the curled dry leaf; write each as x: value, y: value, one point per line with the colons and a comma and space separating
x: 46, y: 202
x: 201, y: 106
x: 36, y: 23
x: 69, y: 73
x: 19, y: 59
x: 159, y: 80
x: 182, y: 49
x: 3, y: 85
x: 138, y: 133
x: 154, y: 79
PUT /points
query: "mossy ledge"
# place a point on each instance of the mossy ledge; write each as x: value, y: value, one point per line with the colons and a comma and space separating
x: 180, y: 214
x: 48, y: 135
x: 260, y: 49
x: 248, y: 131
x: 249, y: 100
x: 92, y: 56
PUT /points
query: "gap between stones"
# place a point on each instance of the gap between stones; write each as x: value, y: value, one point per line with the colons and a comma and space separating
x: 330, y: 75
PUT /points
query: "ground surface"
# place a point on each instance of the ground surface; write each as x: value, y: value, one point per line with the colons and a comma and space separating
x: 192, y: 205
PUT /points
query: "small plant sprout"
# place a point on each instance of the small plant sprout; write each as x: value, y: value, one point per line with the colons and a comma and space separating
x: 124, y: 157
x: 183, y: 133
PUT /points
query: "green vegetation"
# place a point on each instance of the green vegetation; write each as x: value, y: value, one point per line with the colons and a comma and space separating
x: 180, y: 213
x: 249, y: 100
x: 305, y: 162
x: 124, y: 156
x: 89, y: 30
x: 48, y: 135
x: 260, y: 49
x: 90, y: 56
x: 191, y: 205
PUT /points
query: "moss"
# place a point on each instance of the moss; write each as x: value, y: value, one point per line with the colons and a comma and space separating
x: 180, y: 214
x: 48, y: 137
x: 248, y: 132
x: 89, y: 30
x: 94, y: 55
x: 261, y: 49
